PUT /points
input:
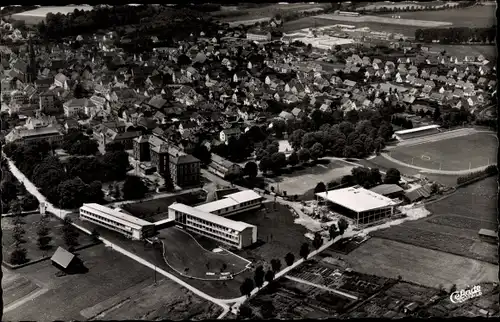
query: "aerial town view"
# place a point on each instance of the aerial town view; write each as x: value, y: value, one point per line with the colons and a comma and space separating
x: 246, y: 161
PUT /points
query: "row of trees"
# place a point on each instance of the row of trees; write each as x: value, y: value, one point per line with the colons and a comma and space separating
x: 11, y: 190
x: 260, y: 276
x: 403, y: 122
x: 457, y: 35
x: 419, y: 7
x: 19, y: 254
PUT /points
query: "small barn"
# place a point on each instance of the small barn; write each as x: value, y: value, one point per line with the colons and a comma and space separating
x: 389, y: 190
x: 66, y: 261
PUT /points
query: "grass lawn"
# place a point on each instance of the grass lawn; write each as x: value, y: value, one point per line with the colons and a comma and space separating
x: 460, y: 153
x: 306, y: 22
x: 476, y: 16
x: 183, y: 251
x: 219, y: 289
x: 300, y: 181
x: 277, y: 234
x: 30, y: 226
x: 384, y: 164
x: 419, y: 265
x: 152, y: 209
x: 112, y: 279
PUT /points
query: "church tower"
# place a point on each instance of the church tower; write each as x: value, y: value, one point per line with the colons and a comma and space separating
x: 31, y: 73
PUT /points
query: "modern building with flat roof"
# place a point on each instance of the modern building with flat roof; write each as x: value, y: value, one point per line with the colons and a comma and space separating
x: 114, y: 219
x: 233, y: 203
x: 363, y: 205
x: 234, y: 233
x: 415, y: 132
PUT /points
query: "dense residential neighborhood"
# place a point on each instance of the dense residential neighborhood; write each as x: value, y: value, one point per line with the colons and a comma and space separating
x: 188, y: 155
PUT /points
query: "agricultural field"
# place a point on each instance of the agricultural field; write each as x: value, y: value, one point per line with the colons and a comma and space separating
x: 460, y: 51
x: 182, y: 251
x: 37, y: 15
x: 384, y: 19
x: 475, y: 16
x: 427, y: 267
x: 406, y: 5
x: 155, y: 209
x: 268, y: 10
x: 390, y: 302
x: 300, y: 181
x: 454, y: 154
x: 99, y: 293
x: 31, y: 223
x: 454, y: 224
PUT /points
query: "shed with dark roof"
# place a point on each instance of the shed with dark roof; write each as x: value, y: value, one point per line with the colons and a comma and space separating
x: 66, y: 261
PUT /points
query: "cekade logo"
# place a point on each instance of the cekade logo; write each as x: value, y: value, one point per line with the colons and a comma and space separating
x: 464, y: 295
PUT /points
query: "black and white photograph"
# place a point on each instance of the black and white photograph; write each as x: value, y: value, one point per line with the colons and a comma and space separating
x: 249, y: 160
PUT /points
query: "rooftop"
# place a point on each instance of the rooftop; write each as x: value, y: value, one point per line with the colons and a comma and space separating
x: 236, y: 225
x: 118, y: 215
x: 357, y: 199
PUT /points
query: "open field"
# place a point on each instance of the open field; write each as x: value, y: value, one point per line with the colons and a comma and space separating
x: 37, y: 15
x: 183, y: 251
x: 300, y: 181
x: 277, y: 233
x: 476, y: 16
x: 429, y: 23
x: 407, y: 5
x: 30, y: 226
x: 460, y: 51
x: 419, y: 265
x: 268, y: 10
x: 154, y: 210
x: 454, y: 224
x: 460, y: 153
x: 112, y: 279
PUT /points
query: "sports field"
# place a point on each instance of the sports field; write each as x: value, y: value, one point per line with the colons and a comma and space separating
x: 183, y: 253
x: 476, y: 16
x: 454, y: 154
x: 419, y: 265
x: 300, y: 181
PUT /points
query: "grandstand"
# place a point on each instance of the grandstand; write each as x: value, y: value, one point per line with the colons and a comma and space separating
x: 416, y: 132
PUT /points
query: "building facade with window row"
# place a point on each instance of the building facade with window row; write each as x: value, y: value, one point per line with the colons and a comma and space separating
x: 233, y: 233
x: 113, y: 219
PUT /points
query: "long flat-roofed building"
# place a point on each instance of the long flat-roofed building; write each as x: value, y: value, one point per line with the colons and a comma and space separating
x: 363, y: 205
x: 416, y: 132
x: 114, y: 219
x: 234, y: 233
x: 233, y: 203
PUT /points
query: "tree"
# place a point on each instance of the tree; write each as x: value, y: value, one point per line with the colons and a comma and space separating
x: 317, y: 241
x: 392, y: 176
x: 259, y: 276
x: 320, y: 187
x: 18, y: 256
x: 43, y: 231
x: 247, y: 287
x: 251, y: 169
x: 234, y: 174
x: 269, y: 276
x: 278, y: 161
x: 437, y: 114
x: 95, y: 236
x: 70, y: 234
x: 295, y: 138
x: 276, y: 265
x: 434, y: 188
x: 265, y: 164
x: 304, y: 155
x: 317, y: 151
x: 332, y: 230
x: 202, y: 153
x: 342, y: 225
x: 289, y: 259
x: 134, y: 188
x: 114, y: 147
x: 18, y: 222
x: 293, y: 159
x: 116, y: 191
x: 304, y: 251
x: 29, y: 202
